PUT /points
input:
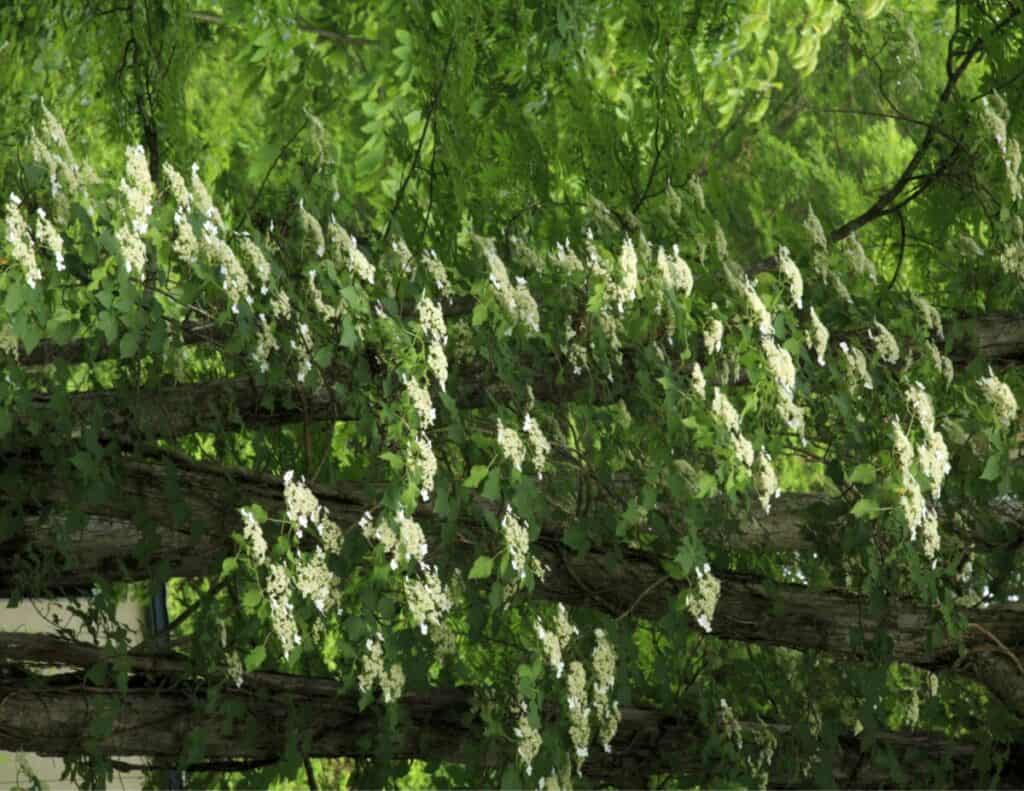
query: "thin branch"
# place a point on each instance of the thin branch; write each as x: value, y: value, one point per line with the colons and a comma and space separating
x: 310, y: 777
x: 434, y: 104
x: 332, y: 36
x: 266, y: 176
x: 999, y: 643
x: 903, y: 247
x: 884, y: 204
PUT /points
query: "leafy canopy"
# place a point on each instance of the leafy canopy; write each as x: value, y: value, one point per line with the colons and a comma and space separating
x: 508, y: 350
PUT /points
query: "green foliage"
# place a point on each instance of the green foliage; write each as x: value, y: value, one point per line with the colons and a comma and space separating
x: 504, y: 351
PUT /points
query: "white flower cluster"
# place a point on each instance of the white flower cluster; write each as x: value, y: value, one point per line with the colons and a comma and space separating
x: 236, y: 279
x: 517, y: 301
x: 346, y: 247
x: 437, y: 272
x: 702, y: 600
x: 185, y: 245
x: 560, y: 779
x: 404, y: 254
x: 511, y: 445
x: 731, y: 724
x: 421, y: 402
x: 52, y: 152
x: 921, y: 405
x: 700, y: 385
x: 674, y: 271
x: 312, y: 229
x: 138, y: 190
x: 282, y: 611
x: 606, y: 710
x: 528, y: 740
x: 885, y: 343
x: 424, y: 464
x: 780, y: 364
x: 858, y: 365
x: 765, y: 480
x: 565, y: 259
x: 713, y: 336
x: 254, y: 539
x: 538, y: 443
x: 857, y: 258
x: 400, y: 536
x: 514, y: 448
x: 176, y: 184
x: 793, y: 277
x: 201, y: 199
x: 815, y: 229
x: 554, y: 642
x: 579, y: 713
x: 727, y: 415
x: 266, y: 344
x: 942, y: 363
x: 427, y: 599
x: 932, y: 317
x: 624, y: 292
x: 764, y: 318
x: 235, y: 669
x: 316, y: 581
x: 517, y: 538
x: 934, y: 462
x: 817, y: 337
x: 316, y: 295
x: 48, y: 235
x: 390, y: 680
x: 304, y: 511
x: 1000, y: 396
x: 432, y: 323
x: 793, y: 416
x: 933, y: 454
x: 20, y: 240
x: 258, y: 261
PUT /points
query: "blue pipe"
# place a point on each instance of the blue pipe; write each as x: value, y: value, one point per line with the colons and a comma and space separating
x: 157, y: 623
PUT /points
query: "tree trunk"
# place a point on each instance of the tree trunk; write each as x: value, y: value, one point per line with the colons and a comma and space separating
x: 205, y: 499
x: 162, y: 704
x: 232, y: 404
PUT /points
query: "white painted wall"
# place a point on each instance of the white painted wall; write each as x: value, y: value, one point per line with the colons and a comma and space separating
x: 44, y: 615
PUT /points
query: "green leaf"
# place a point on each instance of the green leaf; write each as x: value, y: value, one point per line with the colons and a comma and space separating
x: 30, y: 335
x: 993, y: 468
x: 492, y: 489
x: 323, y: 356
x: 862, y: 473
x: 393, y: 459
x: 15, y: 297
x: 129, y: 344
x: 108, y: 323
x: 866, y: 508
x: 251, y: 599
x: 482, y: 568
x: 228, y: 566
x: 349, y: 338
x: 477, y: 474
x: 255, y: 658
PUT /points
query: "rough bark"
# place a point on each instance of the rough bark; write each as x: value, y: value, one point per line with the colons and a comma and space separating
x: 163, y: 704
x: 232, y: 404
x: 622, y: 583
